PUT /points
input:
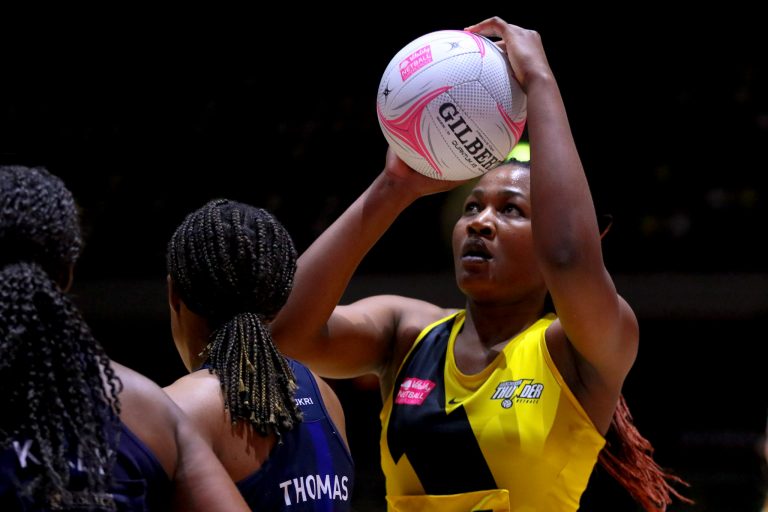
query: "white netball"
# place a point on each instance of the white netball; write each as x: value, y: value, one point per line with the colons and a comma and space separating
x: 450, y: 106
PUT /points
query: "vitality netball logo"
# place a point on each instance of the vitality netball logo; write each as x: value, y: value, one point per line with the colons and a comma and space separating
x: 415, y: 62
x: 414, y: 391
x: 518, y: 391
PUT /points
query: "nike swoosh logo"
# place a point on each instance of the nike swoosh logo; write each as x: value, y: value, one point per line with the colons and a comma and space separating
x: 453, y: 401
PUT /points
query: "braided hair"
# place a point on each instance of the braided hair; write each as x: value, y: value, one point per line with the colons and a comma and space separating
x: 233, y: 264
x: 59, y: 392
x: 628, y: 456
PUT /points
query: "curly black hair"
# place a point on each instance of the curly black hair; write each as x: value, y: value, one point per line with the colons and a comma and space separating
x: 59, y: 391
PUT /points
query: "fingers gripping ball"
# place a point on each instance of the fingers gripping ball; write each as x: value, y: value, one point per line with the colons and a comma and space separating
x: 449, y: 105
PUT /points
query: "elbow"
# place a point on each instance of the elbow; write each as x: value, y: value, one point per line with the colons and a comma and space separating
x: 572, y: 248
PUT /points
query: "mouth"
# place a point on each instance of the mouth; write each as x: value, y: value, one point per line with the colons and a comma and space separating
x: 474, y: 250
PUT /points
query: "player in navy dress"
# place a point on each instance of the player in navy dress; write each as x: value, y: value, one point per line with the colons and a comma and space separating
x: 78, y: 431
x: 276, y: 427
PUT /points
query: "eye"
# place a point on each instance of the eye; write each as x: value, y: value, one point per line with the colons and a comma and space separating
x: 471, y: 207
x: 511, y: 209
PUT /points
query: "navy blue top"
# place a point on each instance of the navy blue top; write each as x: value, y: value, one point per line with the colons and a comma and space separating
x: 312, y: 469
x: 139, y: 481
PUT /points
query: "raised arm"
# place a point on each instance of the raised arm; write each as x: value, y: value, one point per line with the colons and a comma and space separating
x: 349, y: 340
x: 599, y: 324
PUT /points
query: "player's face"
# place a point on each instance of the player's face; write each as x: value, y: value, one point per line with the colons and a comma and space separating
x: 492, y: 242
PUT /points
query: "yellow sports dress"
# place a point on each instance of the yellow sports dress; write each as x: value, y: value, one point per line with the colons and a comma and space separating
x: 512, y: 437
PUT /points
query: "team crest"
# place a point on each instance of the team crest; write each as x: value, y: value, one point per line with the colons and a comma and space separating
x: 518, y: 391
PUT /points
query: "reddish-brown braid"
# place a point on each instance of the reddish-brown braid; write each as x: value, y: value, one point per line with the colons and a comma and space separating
x: 629, y: 460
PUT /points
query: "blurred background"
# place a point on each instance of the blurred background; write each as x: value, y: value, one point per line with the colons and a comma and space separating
x: 147, y: 116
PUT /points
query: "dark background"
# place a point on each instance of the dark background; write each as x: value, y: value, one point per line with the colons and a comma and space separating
x: 147, y: 116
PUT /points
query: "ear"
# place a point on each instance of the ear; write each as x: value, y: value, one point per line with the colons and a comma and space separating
x: 173, y: 297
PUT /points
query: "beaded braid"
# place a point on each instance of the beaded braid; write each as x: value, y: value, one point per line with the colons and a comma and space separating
x: 234, y: 265
x: 259, y: 385
x: 59, y: 391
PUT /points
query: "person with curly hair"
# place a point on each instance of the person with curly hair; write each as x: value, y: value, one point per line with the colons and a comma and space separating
x: 79, y: 431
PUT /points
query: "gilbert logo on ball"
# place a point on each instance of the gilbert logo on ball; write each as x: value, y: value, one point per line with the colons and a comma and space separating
x: 450, y: 106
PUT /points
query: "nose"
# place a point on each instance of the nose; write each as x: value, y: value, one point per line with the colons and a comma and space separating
x: 482, y: 224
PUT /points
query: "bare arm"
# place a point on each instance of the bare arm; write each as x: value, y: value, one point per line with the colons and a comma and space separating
x: 202, y: 484
x: 200, y: 481
x: 599, y: 324
x: 349, y: 340
x: 198, y: 396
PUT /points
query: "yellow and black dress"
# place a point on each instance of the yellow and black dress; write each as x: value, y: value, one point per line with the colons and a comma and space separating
x: 512, y: 437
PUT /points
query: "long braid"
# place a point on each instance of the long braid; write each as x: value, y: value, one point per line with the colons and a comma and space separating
x: 629, y: 460
x: 59, y: 392
x: 259, y: 387
x: 234, y: 264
